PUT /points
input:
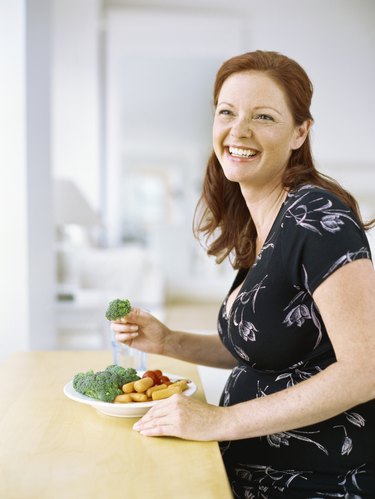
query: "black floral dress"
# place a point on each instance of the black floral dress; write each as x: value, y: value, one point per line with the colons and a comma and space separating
x: 275, y: 331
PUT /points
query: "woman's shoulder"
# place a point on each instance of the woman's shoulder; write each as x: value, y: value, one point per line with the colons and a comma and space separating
x: 312, y: 193
x: 318, y: 210
x: 320, y: 233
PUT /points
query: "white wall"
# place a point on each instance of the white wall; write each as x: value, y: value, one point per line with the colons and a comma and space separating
x: 13, y: 222
x: 40, y: 228
x: 334, y: 41
x: 26, y: 268
x: 75, y: 95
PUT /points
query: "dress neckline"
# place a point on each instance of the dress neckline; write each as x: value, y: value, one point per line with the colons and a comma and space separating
x: 266, y: 244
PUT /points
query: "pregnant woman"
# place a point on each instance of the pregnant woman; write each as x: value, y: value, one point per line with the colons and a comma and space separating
x: 297, y: 415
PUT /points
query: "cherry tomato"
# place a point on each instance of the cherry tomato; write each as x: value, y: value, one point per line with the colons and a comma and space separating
x: 164, y: 380
x: 158, y: 373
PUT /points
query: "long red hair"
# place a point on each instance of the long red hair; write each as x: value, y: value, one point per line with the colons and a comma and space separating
x: 221, y: 213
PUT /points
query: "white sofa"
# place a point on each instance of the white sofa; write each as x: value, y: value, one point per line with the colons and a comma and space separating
x: 102, y: 275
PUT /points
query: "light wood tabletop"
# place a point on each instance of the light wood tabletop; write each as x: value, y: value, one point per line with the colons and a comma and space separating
x: 55, y: 448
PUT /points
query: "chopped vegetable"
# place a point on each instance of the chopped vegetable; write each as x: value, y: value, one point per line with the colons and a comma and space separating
x: 118, y: 309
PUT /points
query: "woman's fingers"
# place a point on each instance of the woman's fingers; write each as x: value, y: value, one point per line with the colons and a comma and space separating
x: 157, y: 421
x: 124, y: 328
x: 147, y: 332
x: 124, y: 331
x: 125, y: 337
x: 131, y: 322
x: 184, y: 417
x: 137, y: 316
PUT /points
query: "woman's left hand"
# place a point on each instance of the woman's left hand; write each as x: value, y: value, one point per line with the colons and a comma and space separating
x: 183, y: 417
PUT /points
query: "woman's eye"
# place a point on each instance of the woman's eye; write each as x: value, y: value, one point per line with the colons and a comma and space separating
x: 263, y: 117
x: 224, y: 112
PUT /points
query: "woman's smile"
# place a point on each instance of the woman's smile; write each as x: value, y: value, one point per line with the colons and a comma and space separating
x: 240, y: 153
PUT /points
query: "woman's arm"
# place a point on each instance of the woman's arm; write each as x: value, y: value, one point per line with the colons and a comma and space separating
x: 346, y: 301
x: 142, y: 330
x: 204, y: 349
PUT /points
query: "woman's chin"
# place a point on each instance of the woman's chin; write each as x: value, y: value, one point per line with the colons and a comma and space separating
x: 235, y: 175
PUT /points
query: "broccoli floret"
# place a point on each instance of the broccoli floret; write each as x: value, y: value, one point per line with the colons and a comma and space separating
x: 101, y: 385
x: 117, y: 309
x: 104, y: 385
x: 82, y: 381
x: 124, y: 375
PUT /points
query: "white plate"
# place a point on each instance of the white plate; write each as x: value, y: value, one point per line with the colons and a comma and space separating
x: 128, y: 410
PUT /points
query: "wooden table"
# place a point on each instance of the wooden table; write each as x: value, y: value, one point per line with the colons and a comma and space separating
x: 52, y: 447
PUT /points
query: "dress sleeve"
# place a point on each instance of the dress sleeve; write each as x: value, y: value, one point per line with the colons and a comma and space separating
x: 319, y: 235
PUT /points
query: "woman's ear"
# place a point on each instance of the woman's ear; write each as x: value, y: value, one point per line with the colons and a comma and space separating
x: 301, y: 132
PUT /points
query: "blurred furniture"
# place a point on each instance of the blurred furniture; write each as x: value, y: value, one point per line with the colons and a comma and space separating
x: 75, y: 221
x: 70, y: 205
x: 89, y: 276
x: 105, y: 274
x: 68, y: 450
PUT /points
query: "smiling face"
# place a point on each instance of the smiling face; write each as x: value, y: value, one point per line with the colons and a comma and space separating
x: 254, y: 132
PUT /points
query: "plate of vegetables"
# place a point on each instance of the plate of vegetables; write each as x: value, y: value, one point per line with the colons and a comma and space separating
x: 125, y: 392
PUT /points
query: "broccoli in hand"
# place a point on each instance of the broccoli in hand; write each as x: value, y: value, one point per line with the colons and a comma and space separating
x: 117, y: 309
x: 104, y: 385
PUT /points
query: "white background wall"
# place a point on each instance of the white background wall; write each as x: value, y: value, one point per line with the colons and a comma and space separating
x: 160, y: 70
x: 333, y: 40
x: 26, y: 259
x: 13, y: 222
x: 75, y: 96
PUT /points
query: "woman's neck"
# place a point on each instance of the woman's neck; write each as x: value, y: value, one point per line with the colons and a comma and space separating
x: 264, y: 208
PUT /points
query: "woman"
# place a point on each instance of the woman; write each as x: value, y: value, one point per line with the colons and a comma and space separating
x: 297, y: 415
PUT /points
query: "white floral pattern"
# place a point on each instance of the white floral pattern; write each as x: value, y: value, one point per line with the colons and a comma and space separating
x: 267, y: 479
x: 264, y: 481
x: 278, y: 439
x: 301, y: 312
x: 275, y: 331
x: 332, y: 221
x: 296, y: 375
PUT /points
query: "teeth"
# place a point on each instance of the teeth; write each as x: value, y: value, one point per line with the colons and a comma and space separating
x: 245, y: 153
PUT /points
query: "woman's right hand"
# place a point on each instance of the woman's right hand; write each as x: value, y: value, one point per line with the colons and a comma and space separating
x: 139, y: 329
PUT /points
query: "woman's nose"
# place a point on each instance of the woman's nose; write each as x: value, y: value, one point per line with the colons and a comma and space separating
x: 241, y: 128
